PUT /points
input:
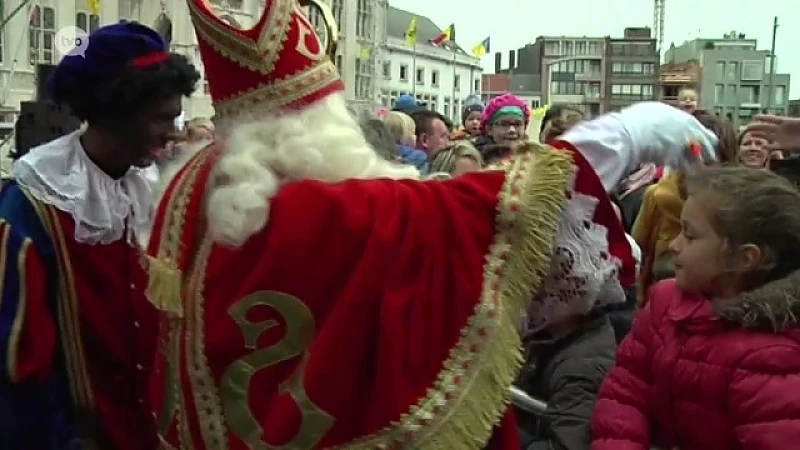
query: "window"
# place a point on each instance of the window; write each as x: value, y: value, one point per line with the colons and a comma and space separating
x: 206, y: 88
x: 752, y: 70
x: 387, y: 69
x: 535, y: 103
x: 364, y: 16
x: 435, y: 78
x: 720, y: 70
x: 457, y: 82
x: 632, y: 68
x: 780, y: 93
x: 733, y: 70
x: 337, y: 8
x: 41, y: 35
x: 477, y: 86
x: 568, y: 51
x: 364, y: 79
x: 339, y: 62
x: 580, y: 49
x: 404, y: 72
x: 87, y: 22
x: 552, y: 48
x: 594, y: 49
x: 629, y: 91
x: 719, y: 93
x: 750, y: 94
x: 420, y: 76
x: 2, y: 31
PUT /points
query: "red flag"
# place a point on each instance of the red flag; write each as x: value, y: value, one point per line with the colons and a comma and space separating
x: 448, y: 35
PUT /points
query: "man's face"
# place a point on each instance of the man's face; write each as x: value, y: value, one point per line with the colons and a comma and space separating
x: 437, y: 139
x: 150, y: 131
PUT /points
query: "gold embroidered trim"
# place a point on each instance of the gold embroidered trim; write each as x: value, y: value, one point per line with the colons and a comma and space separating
x: 165, y: 279
x: 68, y: 316
x: 206, y: 399
x: 3, y: 255
x: 260, y: 56
x: 19, y: 317
x: 276, y: 95
x: 471, y: 392
x: 206, y: 393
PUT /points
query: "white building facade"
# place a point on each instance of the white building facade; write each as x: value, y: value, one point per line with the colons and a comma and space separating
x: 362, y: 35
x: 440, y: 77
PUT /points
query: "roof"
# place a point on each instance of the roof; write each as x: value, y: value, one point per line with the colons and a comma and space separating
x: 397, y: 21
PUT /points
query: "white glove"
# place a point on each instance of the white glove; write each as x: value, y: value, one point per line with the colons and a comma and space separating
x: 615, y: 144
x: 662, y: 134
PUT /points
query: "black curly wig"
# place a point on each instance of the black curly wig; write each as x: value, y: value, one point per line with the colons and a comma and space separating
x: 104, y: 101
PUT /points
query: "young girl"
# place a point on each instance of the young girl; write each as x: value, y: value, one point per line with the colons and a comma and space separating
x: 713, y: 361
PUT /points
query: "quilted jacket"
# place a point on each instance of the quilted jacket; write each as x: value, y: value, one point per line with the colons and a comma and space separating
x: 698, y: 374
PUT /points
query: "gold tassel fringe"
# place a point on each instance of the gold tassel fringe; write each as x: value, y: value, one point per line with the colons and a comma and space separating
x: 530, y: 238
x: 164, y: 286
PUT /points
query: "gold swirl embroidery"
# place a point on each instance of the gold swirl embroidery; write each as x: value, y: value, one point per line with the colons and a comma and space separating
x: 236, y: 379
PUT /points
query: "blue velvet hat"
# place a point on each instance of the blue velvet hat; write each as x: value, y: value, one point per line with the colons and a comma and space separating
x: 110, y: 49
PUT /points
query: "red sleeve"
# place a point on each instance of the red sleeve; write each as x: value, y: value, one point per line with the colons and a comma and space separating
x: 621, y: 416
x: 27, y: 330
x: 763, y: 409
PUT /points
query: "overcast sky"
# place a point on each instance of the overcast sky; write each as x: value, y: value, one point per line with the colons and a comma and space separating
x: 514, y: 23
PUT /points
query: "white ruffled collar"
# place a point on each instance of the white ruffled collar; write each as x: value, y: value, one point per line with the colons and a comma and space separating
x: 60, y: 173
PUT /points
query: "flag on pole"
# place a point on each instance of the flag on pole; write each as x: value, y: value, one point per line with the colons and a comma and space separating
x: 448, y: 35
x: 94, y: 6
x: 411, y: 32
x: 33, y: 14
x: 365, y: 53
x: 482, y: 48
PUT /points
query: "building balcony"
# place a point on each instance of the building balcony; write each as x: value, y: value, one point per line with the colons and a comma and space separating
x: 589, y: 76
x: 750, y: 105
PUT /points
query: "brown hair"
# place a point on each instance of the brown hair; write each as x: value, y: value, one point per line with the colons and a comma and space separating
x: 728, y: 147
x: 566, y: 119
x: 753, y: 207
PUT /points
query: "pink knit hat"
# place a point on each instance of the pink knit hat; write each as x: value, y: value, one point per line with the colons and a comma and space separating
x: 504, y: 104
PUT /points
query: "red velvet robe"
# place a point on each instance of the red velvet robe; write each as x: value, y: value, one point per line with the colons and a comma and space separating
x: 366, y: 314
x: 96, y: 317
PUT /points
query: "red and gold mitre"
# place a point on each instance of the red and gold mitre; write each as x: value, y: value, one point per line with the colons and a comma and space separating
x: 278, y: 64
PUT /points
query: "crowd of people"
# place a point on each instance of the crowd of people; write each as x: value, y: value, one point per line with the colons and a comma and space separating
x: 291, y: 276
x: 568, y: 361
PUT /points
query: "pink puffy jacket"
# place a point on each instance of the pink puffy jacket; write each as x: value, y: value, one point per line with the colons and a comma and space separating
x: 701, y: 375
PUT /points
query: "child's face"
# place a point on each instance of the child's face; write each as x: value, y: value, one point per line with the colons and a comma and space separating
x: 473, y: 123
x: 688, y: 100
x: 698, y: 250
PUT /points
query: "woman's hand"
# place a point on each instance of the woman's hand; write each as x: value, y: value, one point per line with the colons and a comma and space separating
x: 781, y: 133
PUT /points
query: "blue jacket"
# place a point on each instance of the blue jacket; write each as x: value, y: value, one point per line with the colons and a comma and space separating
x: 413, y: 157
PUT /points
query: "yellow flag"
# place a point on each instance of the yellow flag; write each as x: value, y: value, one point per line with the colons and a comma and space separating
x: 94, y: 6
x: 365, y: 53
x: 482, y: 48
x: 538, y: 113
x: 411, y: 32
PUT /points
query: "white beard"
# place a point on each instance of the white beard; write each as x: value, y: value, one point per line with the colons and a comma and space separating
x: 322, y: 142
